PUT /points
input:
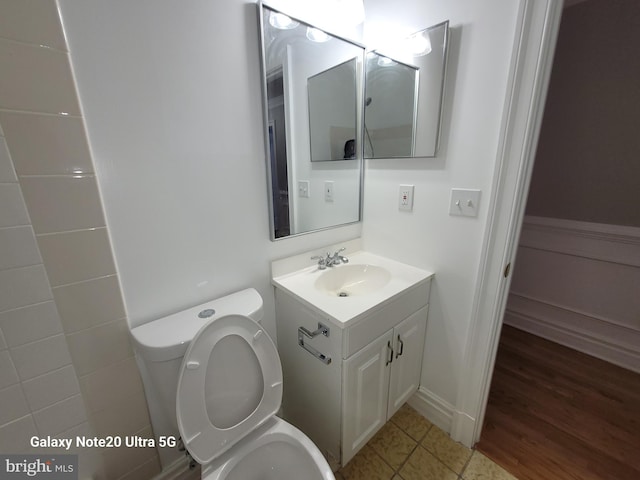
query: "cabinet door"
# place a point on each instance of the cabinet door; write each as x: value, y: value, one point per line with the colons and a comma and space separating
x: 365, y: 393
x: 408, y: 346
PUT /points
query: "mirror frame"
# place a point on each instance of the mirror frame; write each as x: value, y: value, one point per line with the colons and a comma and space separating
x: 265, y: 117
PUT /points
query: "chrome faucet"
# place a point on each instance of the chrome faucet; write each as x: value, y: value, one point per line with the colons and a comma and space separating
x: 330, y: 260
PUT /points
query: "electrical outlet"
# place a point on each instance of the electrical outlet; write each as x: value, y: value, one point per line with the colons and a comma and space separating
x: 405, y: 198
x: 303, y: 189
x: 328, y: 191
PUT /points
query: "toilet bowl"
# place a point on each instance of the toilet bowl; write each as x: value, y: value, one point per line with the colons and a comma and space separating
x: 227, y: 382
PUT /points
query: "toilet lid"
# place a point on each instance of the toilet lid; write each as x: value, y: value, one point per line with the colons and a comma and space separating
x: 230, y: 382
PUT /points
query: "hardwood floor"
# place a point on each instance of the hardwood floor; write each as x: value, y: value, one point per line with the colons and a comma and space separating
x: 558, y: 414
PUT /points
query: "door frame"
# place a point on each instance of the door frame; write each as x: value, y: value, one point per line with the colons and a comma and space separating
x: 532, y: 60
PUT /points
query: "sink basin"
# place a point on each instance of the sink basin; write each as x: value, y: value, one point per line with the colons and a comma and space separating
x: 350, y: 280
x: 368, y: 281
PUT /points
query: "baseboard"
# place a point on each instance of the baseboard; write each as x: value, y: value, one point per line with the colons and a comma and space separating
x: 596, y: 337
x: 433, y: 408
x: 179, y: 470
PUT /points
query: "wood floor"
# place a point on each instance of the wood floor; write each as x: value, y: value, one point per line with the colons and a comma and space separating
x: 557, y: 414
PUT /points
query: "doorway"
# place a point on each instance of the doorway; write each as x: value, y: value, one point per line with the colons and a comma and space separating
x: 582, y: 223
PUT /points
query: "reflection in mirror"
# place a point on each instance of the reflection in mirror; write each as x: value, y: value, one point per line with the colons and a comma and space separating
x: 425, y: 50
x: 390, y: 107
x: 305, y: 195
x: 332, y: 113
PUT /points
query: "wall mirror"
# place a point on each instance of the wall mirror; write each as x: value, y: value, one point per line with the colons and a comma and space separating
x: 391, y: 98
x: 313, y: 111
x: 404, y: 93
x: 332, y: 113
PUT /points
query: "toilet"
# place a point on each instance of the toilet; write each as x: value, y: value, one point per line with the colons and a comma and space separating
x: 217, y: 374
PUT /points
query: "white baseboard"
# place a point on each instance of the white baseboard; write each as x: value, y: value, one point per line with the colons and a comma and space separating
x: 596, y: 337
x: 433, y: 408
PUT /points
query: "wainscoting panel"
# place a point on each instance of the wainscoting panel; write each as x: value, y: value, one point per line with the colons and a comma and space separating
x: 578, y: 284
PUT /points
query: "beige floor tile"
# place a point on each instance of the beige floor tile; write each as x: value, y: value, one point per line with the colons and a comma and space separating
x: 366, y: 465
x: 393, y: 445
x: 454, y: 455
x: 482, y: 468
x: 411, y: 422
x: 422, y: 465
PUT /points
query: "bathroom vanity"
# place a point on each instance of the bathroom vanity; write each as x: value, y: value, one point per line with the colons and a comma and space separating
x: 351, y: 341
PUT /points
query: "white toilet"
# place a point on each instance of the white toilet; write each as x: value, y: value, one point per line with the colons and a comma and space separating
x: 218, y: 375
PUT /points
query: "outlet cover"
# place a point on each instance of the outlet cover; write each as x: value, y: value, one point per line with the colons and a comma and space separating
x: 464, y: 202
x: 405, y: 198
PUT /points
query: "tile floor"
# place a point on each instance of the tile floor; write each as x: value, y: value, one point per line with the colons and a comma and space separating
x: 409, y: 447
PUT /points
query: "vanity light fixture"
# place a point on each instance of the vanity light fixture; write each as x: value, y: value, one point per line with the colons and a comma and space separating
x: 282, y: 21
x: 385, y: 61
x: 420, y: 44
x: 316, y: 35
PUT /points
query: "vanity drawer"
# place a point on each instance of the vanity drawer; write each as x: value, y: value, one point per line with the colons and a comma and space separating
x: 384, y: 318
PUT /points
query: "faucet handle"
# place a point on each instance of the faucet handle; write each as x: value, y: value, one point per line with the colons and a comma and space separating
x: 322, y: 262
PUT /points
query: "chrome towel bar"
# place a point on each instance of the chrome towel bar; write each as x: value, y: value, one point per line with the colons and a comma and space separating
x: 321, y: 330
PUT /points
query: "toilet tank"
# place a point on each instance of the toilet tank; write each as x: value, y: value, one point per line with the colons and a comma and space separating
x: 162, y: 343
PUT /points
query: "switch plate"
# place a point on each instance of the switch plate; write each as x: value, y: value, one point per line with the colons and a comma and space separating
x: 328, y: 191
x: 405, y: 198
x: 464, y: 202
x: 303, y: 189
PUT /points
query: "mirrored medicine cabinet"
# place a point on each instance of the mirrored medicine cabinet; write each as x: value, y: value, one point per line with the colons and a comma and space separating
x: 328, y: 104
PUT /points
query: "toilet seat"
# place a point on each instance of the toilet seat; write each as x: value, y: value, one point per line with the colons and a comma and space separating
x: 230, y: 383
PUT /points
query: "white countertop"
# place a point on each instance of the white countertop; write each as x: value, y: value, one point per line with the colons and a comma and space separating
x: 344, y: 310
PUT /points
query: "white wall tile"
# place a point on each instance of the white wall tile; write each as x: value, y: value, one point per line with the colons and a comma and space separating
x: 60, y: 416
x: 31, y: 323
x: 90, y: 464
x: 13, y: 404
x: 15, y: 436
x: 19, y: 247
x: 88, y: 304
x: 31, y: 74
x: 61, y: 148
x: 58, y: 204
x: 119, y: 461
x: 7, y: 172
x: 101, y: 346
x: 8, y: 374
x: 40, y: 357
x: 111, y: 384
x: 14, y: 210
x: 23, y: 286
x: 149, y: 469
x: 33, y: 22
x: 51, y: 387
x: 124, y: 417
x: 71, y: 257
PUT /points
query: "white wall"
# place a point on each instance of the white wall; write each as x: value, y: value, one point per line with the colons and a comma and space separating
x: 482, y: 37
x: 172, y: 100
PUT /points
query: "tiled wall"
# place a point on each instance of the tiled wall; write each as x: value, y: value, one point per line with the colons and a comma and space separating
x: 66, y: 363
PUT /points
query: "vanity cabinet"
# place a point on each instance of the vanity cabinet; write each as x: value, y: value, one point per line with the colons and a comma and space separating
x: 379, y: 379
x: 368, y: 368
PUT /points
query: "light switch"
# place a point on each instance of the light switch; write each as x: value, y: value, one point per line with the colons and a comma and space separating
x: 303, y: 188
x: 464, y: 202
x: 328, y: 191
